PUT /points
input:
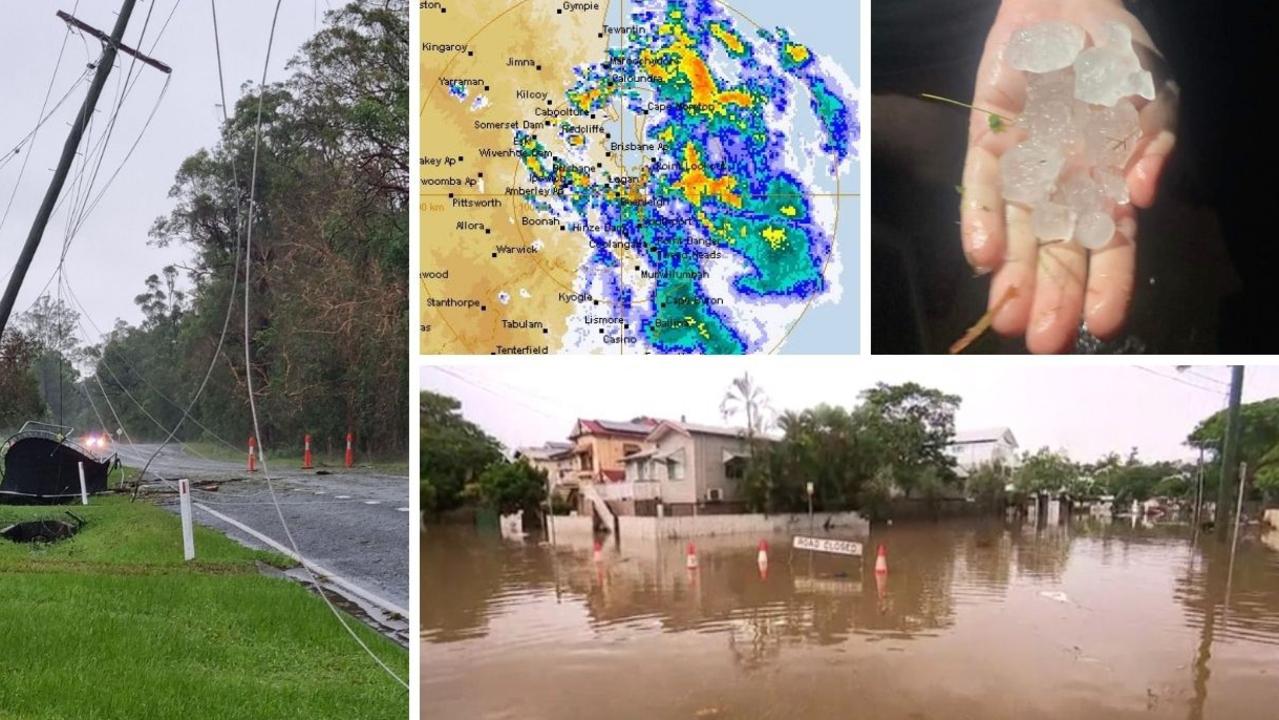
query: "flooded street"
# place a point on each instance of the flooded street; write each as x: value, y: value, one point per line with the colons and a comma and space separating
x: 975, y: 619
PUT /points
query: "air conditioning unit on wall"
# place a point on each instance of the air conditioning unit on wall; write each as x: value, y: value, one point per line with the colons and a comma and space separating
x: 714, y: 494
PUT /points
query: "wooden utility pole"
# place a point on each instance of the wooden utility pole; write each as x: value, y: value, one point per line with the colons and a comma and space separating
x: 1230, y: 454
x: 111, y: 45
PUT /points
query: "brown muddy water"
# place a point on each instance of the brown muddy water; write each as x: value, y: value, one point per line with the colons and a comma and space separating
x: 1092, y: 619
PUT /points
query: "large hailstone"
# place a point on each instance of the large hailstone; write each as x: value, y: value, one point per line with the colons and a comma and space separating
x: 1111, y: 134
x: 1111, y: 70
x: 1094, y: 230
x: 1029, y: 171
x: 1081, y: 129
x: 1044, y: 47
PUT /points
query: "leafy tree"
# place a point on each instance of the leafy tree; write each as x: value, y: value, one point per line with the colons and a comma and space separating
x: 1258, y: 442
x: 427, y: 492
x: 510, y: 487
x: 1044, y: 471
x: 912, y: 426
x: 19, y: 389
x: 899, y: 433
x: 986, y: 485
x: 453, y: 451
x: 52, y: 325
x: 329, y: 293
x: 1175, y: 486
x: 1140, y: 481
x: 874, y: 498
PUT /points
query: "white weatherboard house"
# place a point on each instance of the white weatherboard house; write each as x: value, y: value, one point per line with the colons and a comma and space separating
x: 556, y: 458
x: 974, y: 448
x: 685, y: 463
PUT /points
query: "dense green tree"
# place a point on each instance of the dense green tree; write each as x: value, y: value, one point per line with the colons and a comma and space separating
x: 1044, y: 471
x: 1140, y: 481
x: 898, y: 433
x: 1258, y: 443
x: 453, y: 452
x: 986, y: 485
x: 329, y: 318
x: 52, y: 325
x: 19, y: 388
x: 509, y: 487
x: 911, y: 427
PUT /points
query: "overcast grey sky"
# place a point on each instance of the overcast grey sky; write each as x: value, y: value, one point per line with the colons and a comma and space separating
x: 110, y: 259
x: 1086, y: 411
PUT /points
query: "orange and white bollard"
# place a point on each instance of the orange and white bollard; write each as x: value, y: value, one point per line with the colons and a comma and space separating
x: 306, y: 453
x: 762, y: 559
x: 350, y: 452
x: 881, y: 561
x: 253, y: 455
x: 599, y: 551
x: 690, y: 561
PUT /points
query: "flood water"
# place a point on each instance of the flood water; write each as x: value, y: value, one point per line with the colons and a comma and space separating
x: 975, y: 619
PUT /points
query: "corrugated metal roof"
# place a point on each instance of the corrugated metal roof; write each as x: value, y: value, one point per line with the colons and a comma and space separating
x: 964, y: 437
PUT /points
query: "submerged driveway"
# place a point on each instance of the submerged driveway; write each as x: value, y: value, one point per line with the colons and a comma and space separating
x: 353, y: 523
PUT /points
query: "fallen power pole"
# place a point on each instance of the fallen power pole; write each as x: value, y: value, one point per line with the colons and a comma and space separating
x: 111, y: 45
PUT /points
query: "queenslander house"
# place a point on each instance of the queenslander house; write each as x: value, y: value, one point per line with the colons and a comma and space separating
x: 647, y: 467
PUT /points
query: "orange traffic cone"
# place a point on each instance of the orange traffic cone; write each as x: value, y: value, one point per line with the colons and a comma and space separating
x: 691, y: 561
x: 306, y: 453
x: 881, y: 561
x: 253, y: 455
x: 350, y: 453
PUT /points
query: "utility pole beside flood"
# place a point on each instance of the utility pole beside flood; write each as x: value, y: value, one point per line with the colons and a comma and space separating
x: 1229, y: 454
x: 110, y: 47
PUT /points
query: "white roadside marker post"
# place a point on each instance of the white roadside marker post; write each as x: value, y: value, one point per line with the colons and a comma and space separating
x: 84, y: 491
x: 184, y: 503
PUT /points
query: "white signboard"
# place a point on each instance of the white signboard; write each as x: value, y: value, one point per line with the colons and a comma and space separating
x: 829, y: 545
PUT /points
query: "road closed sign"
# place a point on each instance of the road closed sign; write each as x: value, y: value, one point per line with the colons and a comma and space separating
x: 827, y: 545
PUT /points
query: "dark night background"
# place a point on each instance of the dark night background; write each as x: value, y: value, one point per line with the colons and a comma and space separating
x: 1203, y: 271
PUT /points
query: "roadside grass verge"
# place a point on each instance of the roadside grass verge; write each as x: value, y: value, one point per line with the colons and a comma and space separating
x: 113, y: 624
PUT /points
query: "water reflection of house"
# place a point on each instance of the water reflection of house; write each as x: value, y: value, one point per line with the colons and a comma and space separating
x: 974, y: 448
x: 557, y: 459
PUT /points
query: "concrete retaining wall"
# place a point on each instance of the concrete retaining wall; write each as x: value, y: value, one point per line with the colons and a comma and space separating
x: 573, y: 525
x: 632, y: 527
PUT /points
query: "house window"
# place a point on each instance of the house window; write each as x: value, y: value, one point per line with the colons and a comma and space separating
x: 630, y: 449
x: 675, y: 469
x: 735, y: 469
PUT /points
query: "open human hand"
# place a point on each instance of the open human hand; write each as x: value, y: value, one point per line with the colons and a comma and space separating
x: 1042, y: 289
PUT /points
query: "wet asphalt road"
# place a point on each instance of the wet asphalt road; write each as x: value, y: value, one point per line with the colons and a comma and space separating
x: 354, y: 523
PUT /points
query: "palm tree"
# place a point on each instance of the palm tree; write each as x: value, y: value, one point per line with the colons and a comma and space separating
x: 744, y: 397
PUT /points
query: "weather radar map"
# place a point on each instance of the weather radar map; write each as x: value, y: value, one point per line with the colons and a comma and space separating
x: 639, y: 176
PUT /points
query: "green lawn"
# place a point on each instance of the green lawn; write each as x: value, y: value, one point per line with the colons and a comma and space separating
x: 113, y: 624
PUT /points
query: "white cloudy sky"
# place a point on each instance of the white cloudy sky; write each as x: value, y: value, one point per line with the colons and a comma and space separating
x: 1085, y: 410
x: 110, y: 259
